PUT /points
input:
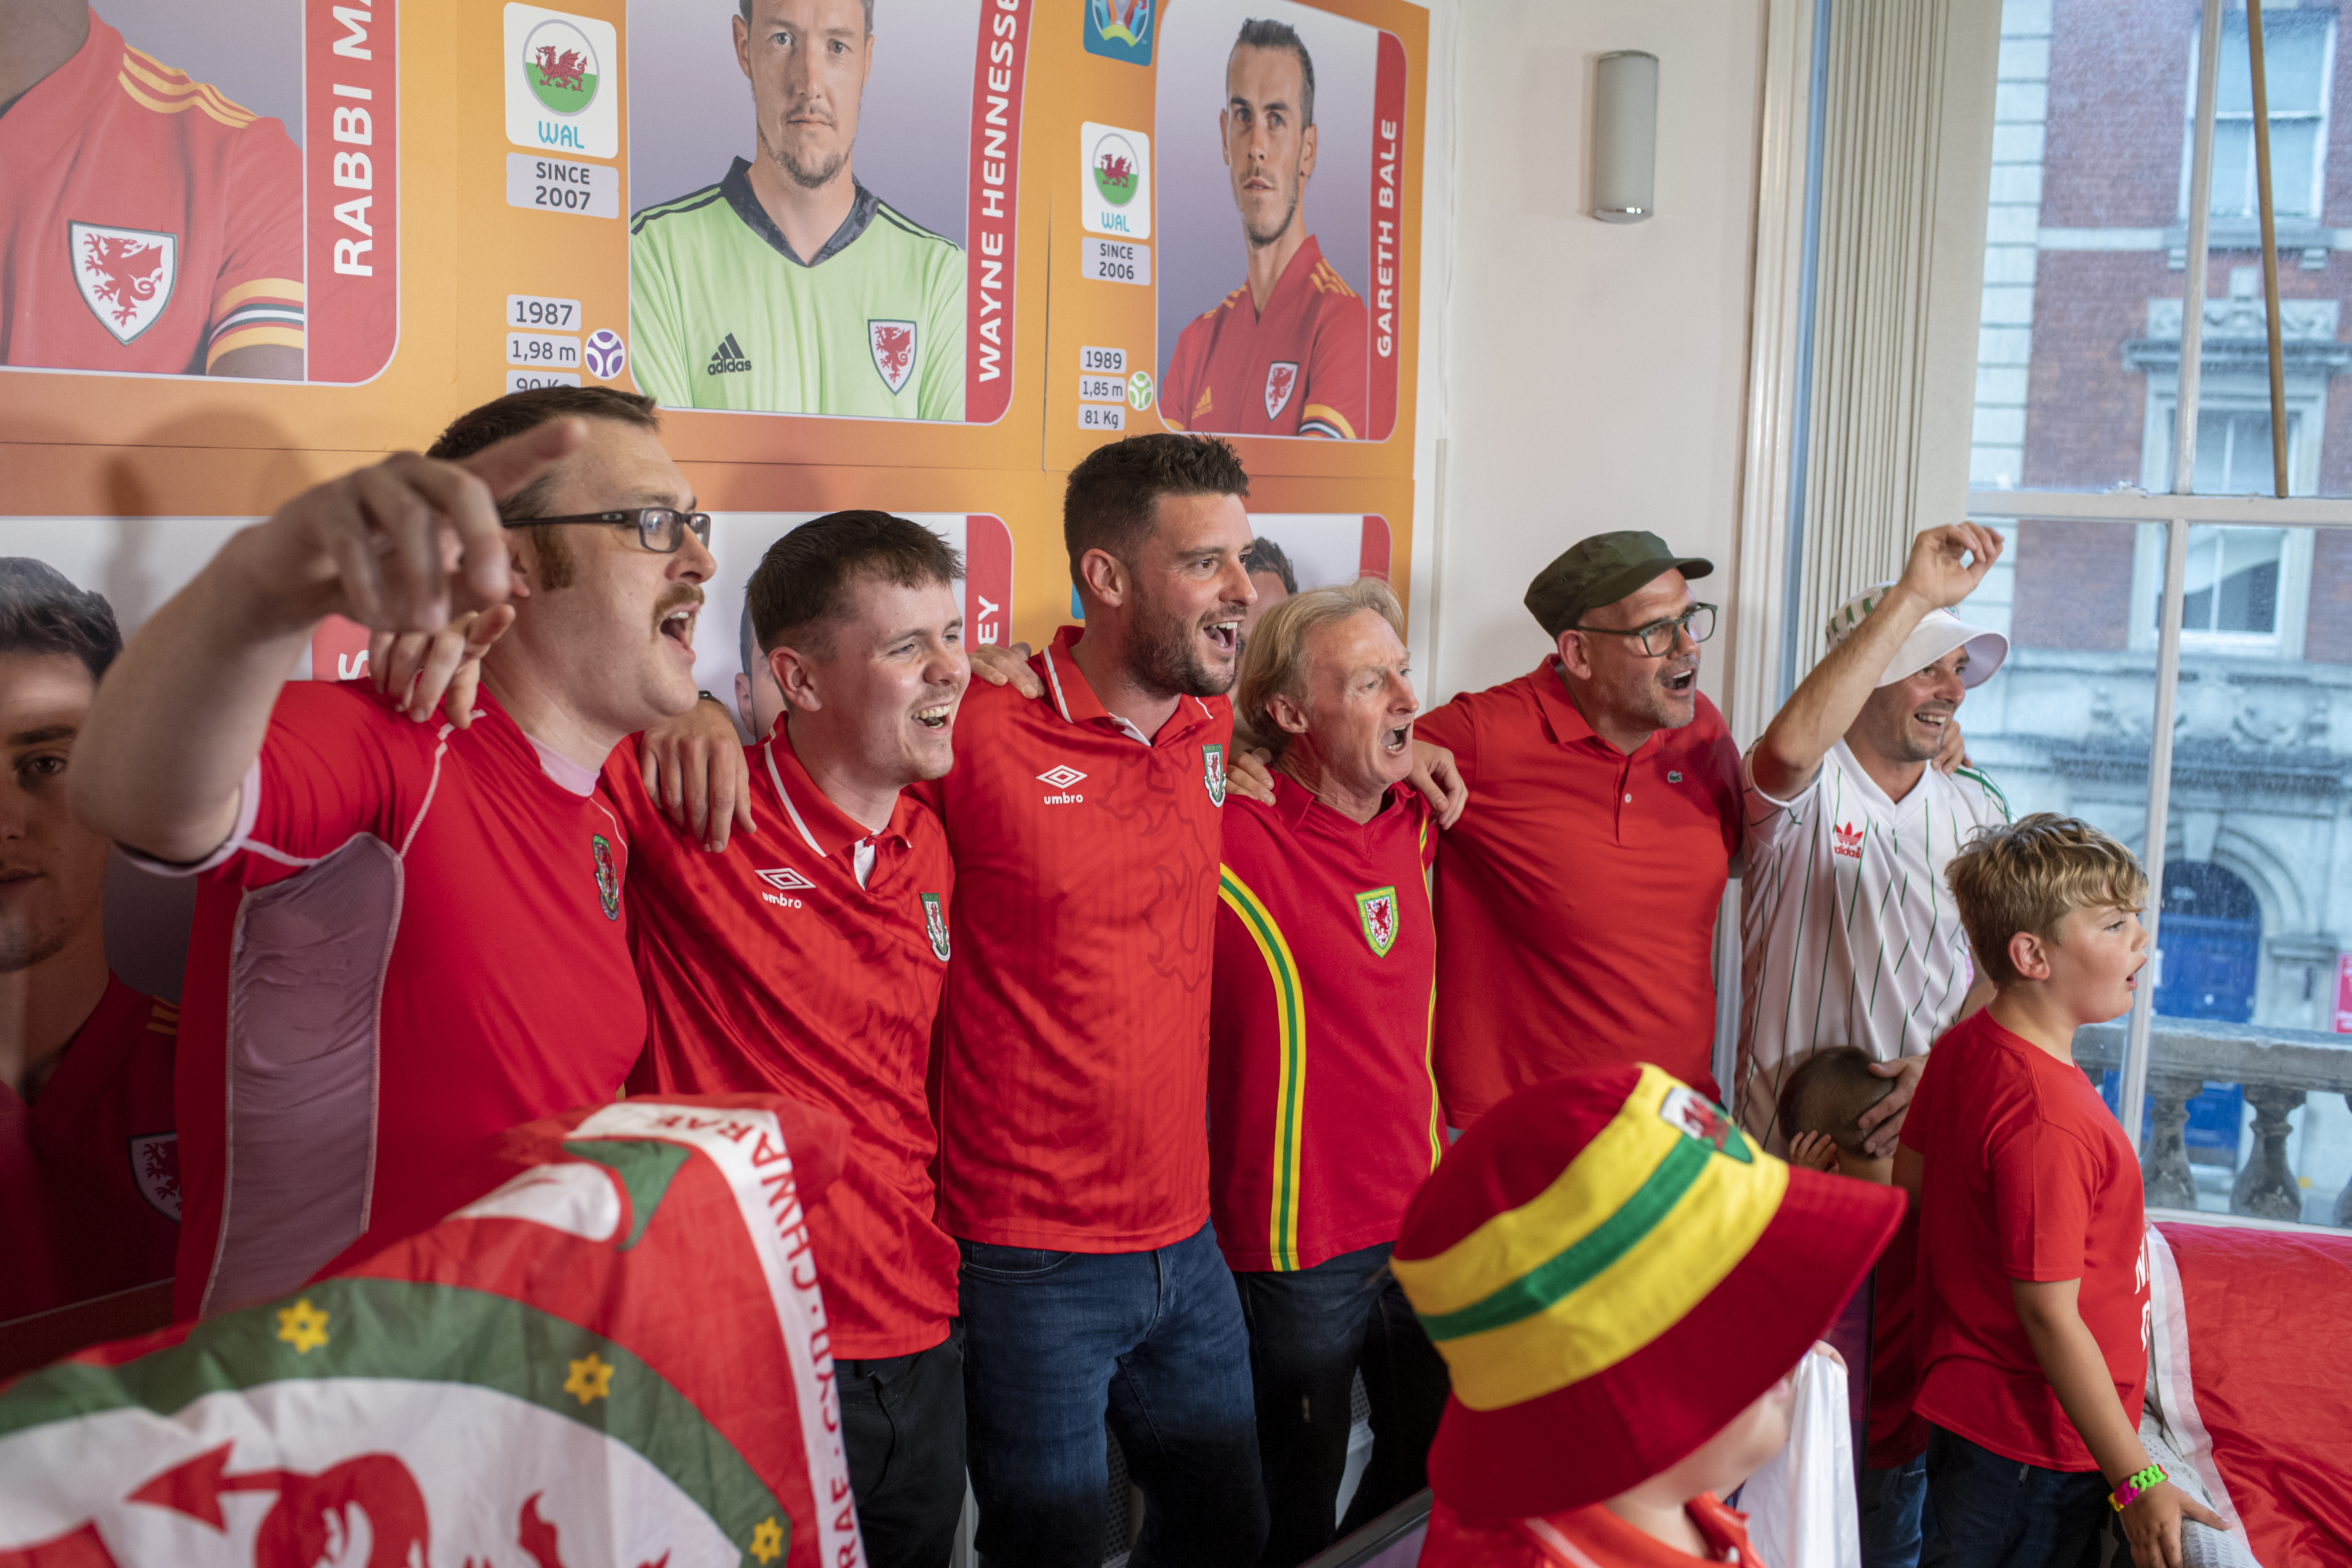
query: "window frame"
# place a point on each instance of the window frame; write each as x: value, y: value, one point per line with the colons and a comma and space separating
x: 2170, y: 502
x: 2315, y: 198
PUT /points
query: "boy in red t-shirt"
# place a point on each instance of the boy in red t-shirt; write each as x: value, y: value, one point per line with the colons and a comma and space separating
x: 2032, y: 1275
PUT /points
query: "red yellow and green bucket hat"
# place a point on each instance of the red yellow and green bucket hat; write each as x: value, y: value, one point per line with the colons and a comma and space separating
x: 1612, y: 1271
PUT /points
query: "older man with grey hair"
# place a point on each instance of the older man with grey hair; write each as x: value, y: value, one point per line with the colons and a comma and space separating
x: 1319, y: 1090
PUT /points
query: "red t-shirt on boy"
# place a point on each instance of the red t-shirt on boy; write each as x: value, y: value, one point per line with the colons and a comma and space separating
x: 2026, y: 1177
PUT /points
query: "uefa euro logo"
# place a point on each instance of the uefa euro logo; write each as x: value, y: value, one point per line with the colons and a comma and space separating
x: 1119, y: 30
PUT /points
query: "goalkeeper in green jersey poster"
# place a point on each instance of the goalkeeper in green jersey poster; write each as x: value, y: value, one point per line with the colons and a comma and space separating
x: 787, y: 287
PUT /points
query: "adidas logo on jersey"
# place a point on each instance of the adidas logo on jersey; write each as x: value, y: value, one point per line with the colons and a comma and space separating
x: 726, y: 358
x: 1846, y: 841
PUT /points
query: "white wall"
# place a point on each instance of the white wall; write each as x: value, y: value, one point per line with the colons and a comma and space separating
x: 1584, y: 376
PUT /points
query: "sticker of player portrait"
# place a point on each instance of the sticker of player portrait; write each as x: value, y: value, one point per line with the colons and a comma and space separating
x: 824, y: 205
x: 737, y: 540
x: 151, y: 208
x: 1265, y: 134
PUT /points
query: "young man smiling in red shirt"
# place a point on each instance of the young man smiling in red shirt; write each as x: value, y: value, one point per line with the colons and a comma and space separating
x: 807, y: 960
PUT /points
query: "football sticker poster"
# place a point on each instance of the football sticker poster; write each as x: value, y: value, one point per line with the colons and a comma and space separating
x: 918, y: 255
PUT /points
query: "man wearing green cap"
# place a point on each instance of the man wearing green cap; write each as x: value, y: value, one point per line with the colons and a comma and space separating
x: 1576, y: 900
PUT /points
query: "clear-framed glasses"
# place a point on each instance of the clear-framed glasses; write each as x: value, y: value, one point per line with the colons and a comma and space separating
x: 659, y: 528
x: 1660, y: 638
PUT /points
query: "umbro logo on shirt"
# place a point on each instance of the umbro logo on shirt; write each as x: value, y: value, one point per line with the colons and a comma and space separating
x: 726, y: 358
x: 785, y: 881
x: 1062, y: 776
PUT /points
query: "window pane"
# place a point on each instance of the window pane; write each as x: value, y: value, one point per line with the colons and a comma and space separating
x: 2085, y: 263
x: 2295, y: 51
x: 2233, y: 168
x: 2063, y: 724
x: 2257, y: 886
x: 2294, y: 148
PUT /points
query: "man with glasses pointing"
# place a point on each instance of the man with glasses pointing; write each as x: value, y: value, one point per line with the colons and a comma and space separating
x: 1577, y: 897
x: 408, y: 931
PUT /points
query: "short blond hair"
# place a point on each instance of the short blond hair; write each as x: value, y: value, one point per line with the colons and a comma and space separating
x: 1274, y: 663
x: 2029, y: 875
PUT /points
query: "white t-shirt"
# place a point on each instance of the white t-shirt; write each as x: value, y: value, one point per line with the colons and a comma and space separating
x: 1848, y: 933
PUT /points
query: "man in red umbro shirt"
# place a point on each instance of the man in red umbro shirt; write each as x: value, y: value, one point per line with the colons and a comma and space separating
x: 807, y: 958
x: 1576, y: 899
x: 87, y: 1158
x: 1286, y: 353
x: 147, y: 222
x: 1325, y: 1117
x: 1074, y: 1151
x: 409, y: 934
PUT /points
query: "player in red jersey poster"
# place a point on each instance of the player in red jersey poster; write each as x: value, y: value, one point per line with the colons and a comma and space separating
x: 88, y: 1159
x: 1284, y: 354
x: 148, y: 223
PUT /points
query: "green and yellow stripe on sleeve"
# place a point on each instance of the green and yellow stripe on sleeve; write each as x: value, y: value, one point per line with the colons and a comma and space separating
x: 1290, y: 1079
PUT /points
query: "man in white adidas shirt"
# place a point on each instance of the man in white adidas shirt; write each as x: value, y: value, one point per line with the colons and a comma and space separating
x: 1849, y: 936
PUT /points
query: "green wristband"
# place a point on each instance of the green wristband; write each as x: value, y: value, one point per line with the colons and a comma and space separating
x: 2124, y: 1496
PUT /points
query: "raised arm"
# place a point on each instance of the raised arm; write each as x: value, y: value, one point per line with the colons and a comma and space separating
x: 181, y: 713
x: 1829, y: 699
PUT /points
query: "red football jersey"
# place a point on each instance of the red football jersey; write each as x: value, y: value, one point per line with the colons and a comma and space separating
x: 1319, y: 1084
x: 410, y: 943
x: 91, y: 1167
x: 147, y: 223
x: 1073, y: 1099
x: 1300, y: 367
x: 769, y: 968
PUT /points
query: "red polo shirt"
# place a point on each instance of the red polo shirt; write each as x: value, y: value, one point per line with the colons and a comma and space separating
x: 770, y: 968
x: 1577, y: 896
x: 1073, y: 1111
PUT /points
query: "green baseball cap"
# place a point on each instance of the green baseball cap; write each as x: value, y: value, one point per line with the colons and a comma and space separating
x: 1600, y: 571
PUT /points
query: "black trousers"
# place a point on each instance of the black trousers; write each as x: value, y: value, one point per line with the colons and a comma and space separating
x: 1310, y: 1330
x: 902, y: 1422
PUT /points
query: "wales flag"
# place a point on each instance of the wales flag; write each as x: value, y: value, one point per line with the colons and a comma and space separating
x: 615, y: 1356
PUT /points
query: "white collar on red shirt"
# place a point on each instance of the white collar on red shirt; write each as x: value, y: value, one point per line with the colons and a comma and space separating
x: 822, y: 825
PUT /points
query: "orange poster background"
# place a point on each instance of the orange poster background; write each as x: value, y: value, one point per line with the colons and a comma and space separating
x: 77, y: 446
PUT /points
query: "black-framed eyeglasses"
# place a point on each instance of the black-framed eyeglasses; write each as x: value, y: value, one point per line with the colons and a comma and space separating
x: 1697, y: 623
x: 660, y: 529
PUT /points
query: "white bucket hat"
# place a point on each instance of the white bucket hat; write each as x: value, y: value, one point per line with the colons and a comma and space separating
x: 1938, y: 633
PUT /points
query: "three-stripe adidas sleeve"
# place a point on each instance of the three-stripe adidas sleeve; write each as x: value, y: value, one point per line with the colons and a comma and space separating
x: 658, y: 357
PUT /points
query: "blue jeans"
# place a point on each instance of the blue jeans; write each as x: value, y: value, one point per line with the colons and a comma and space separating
x: 1056, y: 1342
x: 1996, y: 1512
x: 1310, y: 1330
x: 1894, y: 1515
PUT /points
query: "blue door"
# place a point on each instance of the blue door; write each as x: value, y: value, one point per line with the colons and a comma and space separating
x: 2212, y: 940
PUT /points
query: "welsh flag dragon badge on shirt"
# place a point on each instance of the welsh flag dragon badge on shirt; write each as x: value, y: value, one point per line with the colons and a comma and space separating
x: 615, y: 1356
